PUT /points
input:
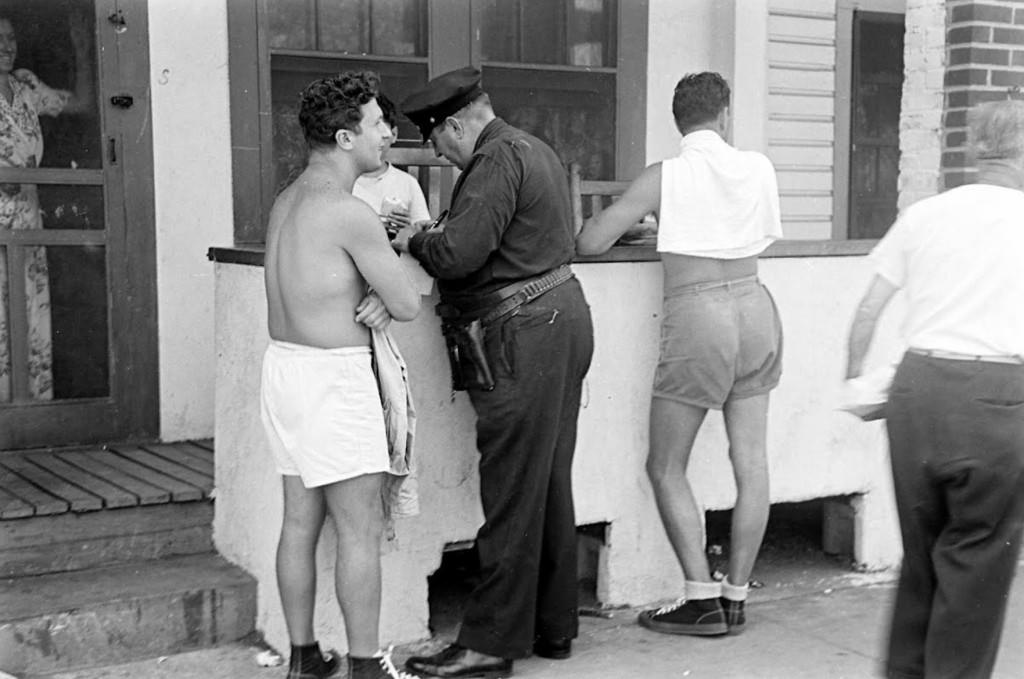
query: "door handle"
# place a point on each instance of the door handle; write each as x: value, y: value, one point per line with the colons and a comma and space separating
x: 122, y: 100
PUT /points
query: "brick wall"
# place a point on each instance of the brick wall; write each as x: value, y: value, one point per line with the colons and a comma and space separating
x: 921, y: 106
x: 985, y: 62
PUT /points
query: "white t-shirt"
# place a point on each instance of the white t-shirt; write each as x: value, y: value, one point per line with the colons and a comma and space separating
x: 400, y: 186
x: 717, y: 201
x: 959, y: 257
x: 394, y: 184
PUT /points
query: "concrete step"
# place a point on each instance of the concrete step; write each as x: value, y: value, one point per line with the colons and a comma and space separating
x: 103, y: 616
x: 38, y: 545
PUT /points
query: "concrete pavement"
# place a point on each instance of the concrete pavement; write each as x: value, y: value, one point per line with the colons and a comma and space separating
x: 814, y: 622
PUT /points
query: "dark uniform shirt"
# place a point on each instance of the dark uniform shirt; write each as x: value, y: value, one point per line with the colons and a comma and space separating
x: 510, y: 217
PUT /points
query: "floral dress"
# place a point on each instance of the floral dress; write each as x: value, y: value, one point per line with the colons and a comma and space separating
x: 21, y: 145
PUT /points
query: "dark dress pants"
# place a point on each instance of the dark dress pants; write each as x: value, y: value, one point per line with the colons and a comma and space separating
x: 526, y: 434
x: 956, y: 438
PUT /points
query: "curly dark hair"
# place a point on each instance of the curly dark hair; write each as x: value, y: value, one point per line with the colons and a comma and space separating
x: 699, y: 98
x: 331, y: 104
x: 387, y: 107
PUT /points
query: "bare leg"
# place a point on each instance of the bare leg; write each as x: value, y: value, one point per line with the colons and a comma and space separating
x: 304, y: 512
x: 674, y: 428
x: 358, y: 515
x: 746, y: 424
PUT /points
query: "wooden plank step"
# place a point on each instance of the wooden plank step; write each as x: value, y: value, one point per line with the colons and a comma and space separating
x: 176, y: 490
x: 194, y: 457
x: 198, y: 482
x: 78, y: 500
x: 99, y: 463
x: 112, y: 496
x: 197, y: 448
x: 12, y: 507
x: 43, y: 502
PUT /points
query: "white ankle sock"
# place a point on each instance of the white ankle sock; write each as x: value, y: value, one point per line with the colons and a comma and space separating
x: 734, y: 592
x: 703, y: 590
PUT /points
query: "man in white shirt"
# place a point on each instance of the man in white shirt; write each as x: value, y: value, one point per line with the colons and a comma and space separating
x: 955, y: 414
x: 394, y: 194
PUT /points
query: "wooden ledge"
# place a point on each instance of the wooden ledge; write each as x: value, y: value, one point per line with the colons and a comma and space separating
x: 252, y: 255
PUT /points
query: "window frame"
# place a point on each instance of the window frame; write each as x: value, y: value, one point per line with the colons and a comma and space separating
x: 450, y: 27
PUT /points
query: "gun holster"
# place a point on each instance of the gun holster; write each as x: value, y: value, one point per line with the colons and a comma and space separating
x: 465, y: 343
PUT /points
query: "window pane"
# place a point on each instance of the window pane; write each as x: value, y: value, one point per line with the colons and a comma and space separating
x: 377, y: 27
x: 573, y: 112
x: 499, y: 30
x: 291, y: 24
x: 55, y: 86
x: 542, y: 32
x: 397, y: 28
x: 78, y: 311
x: 63, y: 306
x: 289, y: 75
x: 343, y: 26
x: 51, y: 206
x: 570, y: 32
x: 523, y: 31
x: 592, y: 28
x: 71, y: 207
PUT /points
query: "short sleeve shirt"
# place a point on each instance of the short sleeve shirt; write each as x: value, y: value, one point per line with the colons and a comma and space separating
x: 959, y: 257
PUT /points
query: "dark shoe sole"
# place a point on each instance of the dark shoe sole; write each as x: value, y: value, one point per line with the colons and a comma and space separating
x: 715, y: 629
x: 736, y: 629
x: 479, y: 674
x: 482, y: 674
x: 553, y: 655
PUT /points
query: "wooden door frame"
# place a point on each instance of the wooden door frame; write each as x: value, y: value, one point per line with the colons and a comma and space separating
x: 131, y: 410
x: 134, y: 321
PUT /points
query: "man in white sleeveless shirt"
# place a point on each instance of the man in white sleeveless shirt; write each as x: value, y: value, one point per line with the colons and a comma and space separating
x: 955, y: 414
x: 721, y: 340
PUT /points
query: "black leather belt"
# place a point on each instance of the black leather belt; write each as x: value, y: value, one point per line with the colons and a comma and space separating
x: 491, y: 307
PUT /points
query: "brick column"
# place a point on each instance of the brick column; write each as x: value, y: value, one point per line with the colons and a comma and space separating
x: 924, y: 67
x: 985, y: 62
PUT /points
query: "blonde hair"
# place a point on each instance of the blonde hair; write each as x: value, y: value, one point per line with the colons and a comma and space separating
x: 996, y: 130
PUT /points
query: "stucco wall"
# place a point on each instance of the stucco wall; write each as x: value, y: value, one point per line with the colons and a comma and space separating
x: 814, y: 450
x: 192, y: 179
x: 683, y: 37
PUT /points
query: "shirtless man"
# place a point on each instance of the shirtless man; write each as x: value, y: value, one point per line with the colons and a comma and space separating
x: 319, y: 400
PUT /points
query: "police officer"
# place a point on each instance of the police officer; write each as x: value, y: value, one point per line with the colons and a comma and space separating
x: 521, y: 341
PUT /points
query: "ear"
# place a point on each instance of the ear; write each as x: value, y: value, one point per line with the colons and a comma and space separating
x: 457, y: 126
x: 343, y: 138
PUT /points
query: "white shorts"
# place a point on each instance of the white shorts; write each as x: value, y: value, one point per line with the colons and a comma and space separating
x: 322, y: 413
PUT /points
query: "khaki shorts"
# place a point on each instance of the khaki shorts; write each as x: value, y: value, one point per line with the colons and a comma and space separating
x: 322, y: 414
x: 720, y: 341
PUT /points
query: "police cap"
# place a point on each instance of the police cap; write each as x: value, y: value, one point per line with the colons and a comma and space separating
x: 441, y: 97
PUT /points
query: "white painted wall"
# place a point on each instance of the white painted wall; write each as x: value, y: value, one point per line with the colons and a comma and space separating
x: 192, y: 177
x: 814, y: 450
x: 683, y: 37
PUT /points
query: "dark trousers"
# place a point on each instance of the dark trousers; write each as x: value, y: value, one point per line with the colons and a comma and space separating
x: 526, y: 434
x: 956, y: 436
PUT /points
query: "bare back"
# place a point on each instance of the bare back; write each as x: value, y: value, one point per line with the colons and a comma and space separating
x: 323, y: 248
x: 683, y: 270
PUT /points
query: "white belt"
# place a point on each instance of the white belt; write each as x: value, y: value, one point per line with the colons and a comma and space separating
x: 954, y: 356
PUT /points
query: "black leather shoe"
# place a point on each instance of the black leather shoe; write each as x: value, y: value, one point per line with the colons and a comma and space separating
x: 558, y: 648
x: 459, y: 661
